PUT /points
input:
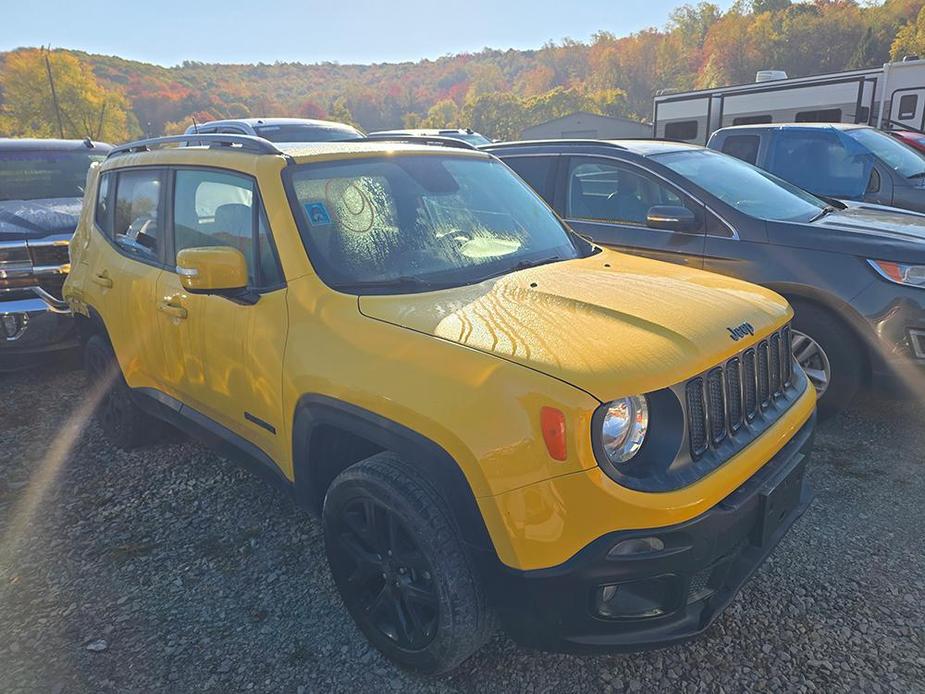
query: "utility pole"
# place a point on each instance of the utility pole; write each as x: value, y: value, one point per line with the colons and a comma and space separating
x: 54, y: 94
x: 99, y: 127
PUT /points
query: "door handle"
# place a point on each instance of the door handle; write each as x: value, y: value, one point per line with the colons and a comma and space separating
x: 102, y: 279
x: 172, y: 310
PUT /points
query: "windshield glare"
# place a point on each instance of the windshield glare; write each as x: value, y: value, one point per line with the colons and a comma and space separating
x: 416, y: 223
x: 306, y: 133
x: 40, y: 174
x: 899, y: 157
x: 743, y: 186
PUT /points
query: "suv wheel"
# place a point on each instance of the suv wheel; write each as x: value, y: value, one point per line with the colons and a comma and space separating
x: 399, y: 564
x: 122, y: 421
x: 829, y: 354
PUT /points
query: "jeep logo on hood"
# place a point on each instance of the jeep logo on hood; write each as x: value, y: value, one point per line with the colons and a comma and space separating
x: 740, y: 331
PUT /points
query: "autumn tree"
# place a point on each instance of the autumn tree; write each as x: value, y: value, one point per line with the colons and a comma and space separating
x: 54, y: 94
x: 443, y: 114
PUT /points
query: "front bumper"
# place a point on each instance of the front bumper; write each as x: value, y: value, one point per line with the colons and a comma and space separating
x: 32, y: 325
x: 703, y: 564
x: 896, y: 316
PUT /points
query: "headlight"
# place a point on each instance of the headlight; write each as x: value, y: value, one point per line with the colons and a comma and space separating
x: 623, y: 428
x: 900, y: 273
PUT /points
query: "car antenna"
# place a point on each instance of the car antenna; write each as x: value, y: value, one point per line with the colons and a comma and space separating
x: 88, y: 143
x: 195, y: 125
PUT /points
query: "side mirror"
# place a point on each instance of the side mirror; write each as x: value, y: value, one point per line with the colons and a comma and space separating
x: 671, y: 218
x: 212, y: 270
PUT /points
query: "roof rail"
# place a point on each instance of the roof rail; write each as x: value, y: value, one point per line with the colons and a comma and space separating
x: 417, y: 140
x: 248, y: 143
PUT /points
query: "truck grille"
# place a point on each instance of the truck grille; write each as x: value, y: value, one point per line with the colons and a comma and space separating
x: 732, y: 396
x: 47, y: 255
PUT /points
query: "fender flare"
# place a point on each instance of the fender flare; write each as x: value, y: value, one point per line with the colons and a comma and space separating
x: 431, y: 459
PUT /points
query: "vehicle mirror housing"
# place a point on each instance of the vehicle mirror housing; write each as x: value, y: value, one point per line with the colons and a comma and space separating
x: 212, y: 269
x: 671, y: 218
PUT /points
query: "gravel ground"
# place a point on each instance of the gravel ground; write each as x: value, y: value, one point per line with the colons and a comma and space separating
x: 169, y: 568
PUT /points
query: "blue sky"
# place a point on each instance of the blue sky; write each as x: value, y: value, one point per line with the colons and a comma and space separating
x: 363, y: 31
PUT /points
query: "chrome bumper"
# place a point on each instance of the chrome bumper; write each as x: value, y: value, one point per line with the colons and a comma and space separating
x: 37, y: 324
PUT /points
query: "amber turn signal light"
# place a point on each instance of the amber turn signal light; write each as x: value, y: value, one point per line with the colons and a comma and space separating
x: 552, y: 422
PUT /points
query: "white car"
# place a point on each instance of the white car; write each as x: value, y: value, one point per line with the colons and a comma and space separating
x: 279, y: 129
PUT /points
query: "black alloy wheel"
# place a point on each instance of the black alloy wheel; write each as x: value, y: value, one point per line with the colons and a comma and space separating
x: 388, y: 576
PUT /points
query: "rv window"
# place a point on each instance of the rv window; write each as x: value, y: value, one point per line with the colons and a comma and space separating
x: 908, y: 105
x: 744, y: 147
x: 681, y: 130
x: 751, y: 120
x: 825, y: 115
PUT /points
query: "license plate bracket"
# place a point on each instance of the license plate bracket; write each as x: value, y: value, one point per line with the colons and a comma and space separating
x: 778, y: 497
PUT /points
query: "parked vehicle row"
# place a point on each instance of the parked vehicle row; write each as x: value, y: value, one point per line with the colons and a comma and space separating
x: 852, y: 272
x: 499, y: 415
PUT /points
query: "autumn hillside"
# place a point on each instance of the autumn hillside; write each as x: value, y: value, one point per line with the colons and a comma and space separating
x: 496, y: 92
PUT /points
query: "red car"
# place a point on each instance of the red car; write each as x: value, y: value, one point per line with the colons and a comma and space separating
x: 913, y: 138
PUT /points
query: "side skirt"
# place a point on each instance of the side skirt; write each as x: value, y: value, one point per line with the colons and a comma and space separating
x: 202, y: 428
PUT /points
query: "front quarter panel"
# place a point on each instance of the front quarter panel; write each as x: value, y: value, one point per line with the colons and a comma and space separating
x: 484, y: 411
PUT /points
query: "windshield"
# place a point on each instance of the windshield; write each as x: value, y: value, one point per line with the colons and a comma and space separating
x: 416, y: 223
x: 301, y: 132
x: 39, y: 174
x: 743, y: 186
x: 899, y: 157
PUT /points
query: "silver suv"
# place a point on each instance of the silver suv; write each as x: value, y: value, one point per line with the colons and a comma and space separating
x: 279, y: 129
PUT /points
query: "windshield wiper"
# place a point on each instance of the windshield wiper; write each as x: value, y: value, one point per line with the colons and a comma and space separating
x: 402, y: 282
x: 527, y: 264
x: 825, y: 211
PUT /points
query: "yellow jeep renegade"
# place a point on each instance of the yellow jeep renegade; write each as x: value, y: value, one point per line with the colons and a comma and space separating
x: 494, y: 417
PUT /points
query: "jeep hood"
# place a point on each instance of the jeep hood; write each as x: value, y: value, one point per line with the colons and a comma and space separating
x: 610, y: 324
x: 33, y: 219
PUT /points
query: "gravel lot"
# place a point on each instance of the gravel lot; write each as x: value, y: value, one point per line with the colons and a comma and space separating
x: 169, y: 568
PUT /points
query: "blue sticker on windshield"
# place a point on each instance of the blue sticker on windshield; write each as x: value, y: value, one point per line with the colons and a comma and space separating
x: 317, y: 213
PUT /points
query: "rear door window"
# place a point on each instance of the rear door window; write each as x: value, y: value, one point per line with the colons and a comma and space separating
x: 103, y: 214
x: 138, y: 218
x: 536, y: 171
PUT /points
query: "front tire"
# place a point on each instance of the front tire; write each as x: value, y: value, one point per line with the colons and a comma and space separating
x: 829, y: 354
x: 122, y: 421
x: 401, y: 568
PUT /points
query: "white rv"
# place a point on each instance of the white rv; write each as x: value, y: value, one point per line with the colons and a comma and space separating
x: 889, y: 97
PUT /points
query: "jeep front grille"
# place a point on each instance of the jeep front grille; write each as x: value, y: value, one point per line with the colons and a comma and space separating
x: 698, y: 418
x: 726, y: 401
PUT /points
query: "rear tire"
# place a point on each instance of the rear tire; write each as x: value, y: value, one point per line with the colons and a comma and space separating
x: 835, y: 347
x: 122, y: 421
x: 401, y: 568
